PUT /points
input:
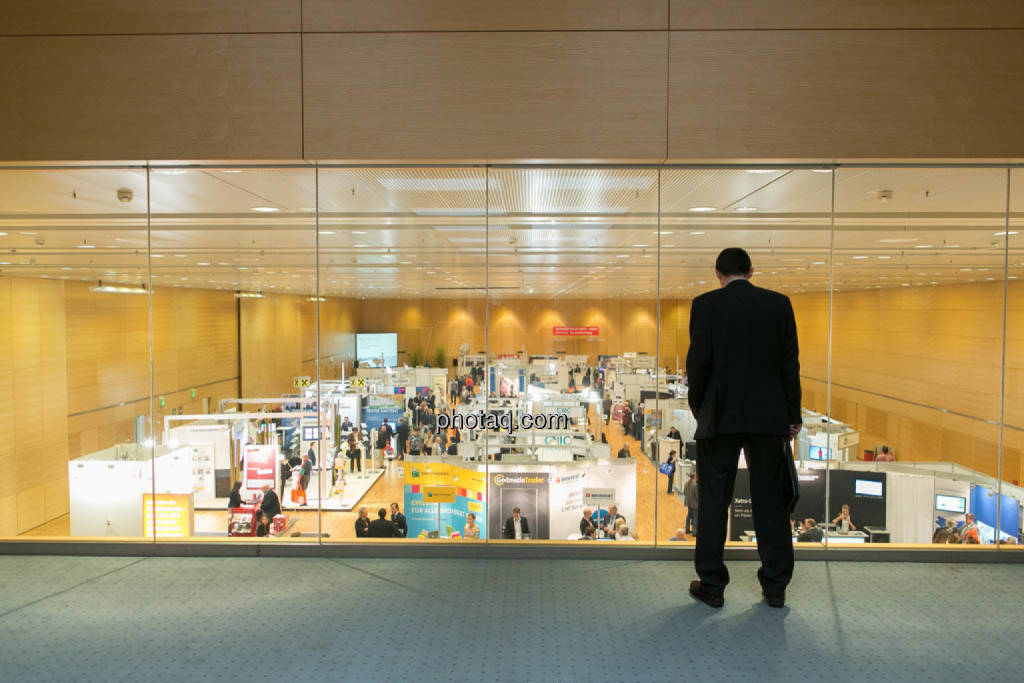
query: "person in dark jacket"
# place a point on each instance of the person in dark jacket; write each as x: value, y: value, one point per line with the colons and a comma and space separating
x: 263, y: 528
x: 362, y: 523
x: 270, y: 504
x: 672, y: 474
x: 398, y: 519
x: 401, y: 438
x: 382, y: 527
x: 743, y: 371
x: 235, y: 499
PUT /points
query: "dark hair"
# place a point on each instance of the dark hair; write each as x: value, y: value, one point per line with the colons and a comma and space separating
x: 733, y: 261
x: 885, y: 449
x: 382, y: 513
x: 237, y: 485
x: 515, y: 510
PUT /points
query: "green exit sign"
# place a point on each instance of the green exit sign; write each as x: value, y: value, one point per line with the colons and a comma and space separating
x: 193, y: 393
x: 162, y: 401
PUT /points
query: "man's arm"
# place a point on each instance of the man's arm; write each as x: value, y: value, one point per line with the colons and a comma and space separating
x: 791, y: 366
x: 698, y: 357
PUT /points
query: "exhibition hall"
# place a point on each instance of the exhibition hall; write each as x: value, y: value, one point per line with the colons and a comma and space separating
x: 496, y: 354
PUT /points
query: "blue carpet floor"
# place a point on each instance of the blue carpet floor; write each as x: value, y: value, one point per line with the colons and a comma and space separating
x: 198, y: 620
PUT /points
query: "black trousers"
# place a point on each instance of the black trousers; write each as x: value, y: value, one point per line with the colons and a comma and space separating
x: 717, y: 461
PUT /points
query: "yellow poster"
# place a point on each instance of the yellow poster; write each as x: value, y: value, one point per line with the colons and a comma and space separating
x: 438, y: 494
x: 173, y: 515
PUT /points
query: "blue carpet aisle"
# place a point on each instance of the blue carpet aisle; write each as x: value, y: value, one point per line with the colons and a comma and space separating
x: 196, y: 620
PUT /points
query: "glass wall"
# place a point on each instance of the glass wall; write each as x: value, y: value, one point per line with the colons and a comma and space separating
x: 495, y: 353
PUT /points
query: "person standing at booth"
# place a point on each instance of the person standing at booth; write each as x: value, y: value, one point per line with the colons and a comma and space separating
x: 355, y: 453
x: 744, y: 389
x: 398, y: 519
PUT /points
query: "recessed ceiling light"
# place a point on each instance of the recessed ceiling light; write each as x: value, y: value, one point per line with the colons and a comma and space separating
x: 327, y: 232
x: 86, y: 246
x: 358, y: 232
x: 896, y: 240
x: 180, y: 255
x: 952, y: 246
x: 885, y: 257
x: 821, y: 170
x: 697, y: 232
x: 746, y: 209
x: 156, y: 255
x: 203, y: 263
x: 65, y: 268
x: 265, y: 209
x: 762, y: 170
x: 359, y: 246
x: 405, y: 263
x: 622, y: 256
x: 639, y: 246
x: 668, y: 246
x: 965, y: 270
x: 997, y: 234
x: 860, y: 257
x: 817, y: 263
x: 923, y: 246
x: 662, y: 232
x: 702, y: 209
x: 243, y: 267
x: 27, y: 233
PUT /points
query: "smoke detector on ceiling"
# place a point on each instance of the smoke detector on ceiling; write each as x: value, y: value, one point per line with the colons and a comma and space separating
x: 124, y: 195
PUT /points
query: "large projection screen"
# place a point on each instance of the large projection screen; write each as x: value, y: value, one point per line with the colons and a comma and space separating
x: 377, y: 349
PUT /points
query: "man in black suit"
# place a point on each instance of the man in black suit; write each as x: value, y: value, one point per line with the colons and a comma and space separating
x: 587, y: 523
x: 401, y: 438
x: 398, y: 519
x: 271, y: 504
x: 744, y: 389
x: 382, y: 527
x: 516, y: 526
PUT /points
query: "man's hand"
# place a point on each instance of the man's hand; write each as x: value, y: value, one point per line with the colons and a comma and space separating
x: 794, y: 430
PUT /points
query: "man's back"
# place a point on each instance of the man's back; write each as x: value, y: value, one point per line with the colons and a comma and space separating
x: 743, y: 361
x: 382, y: 528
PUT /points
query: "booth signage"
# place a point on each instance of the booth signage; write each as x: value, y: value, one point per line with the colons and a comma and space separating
x: 300, y: 382
x: 598, y: 497
x: 438, y: 494
x: 260, y: 466
x: 173, y: 515
x: 575, y: 331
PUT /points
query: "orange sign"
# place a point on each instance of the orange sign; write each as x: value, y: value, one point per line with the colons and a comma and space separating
x: 576, y: 331
x: 173, y: 515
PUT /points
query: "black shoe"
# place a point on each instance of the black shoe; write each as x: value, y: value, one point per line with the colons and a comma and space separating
x: 710, y: 599
x: 775, y: 598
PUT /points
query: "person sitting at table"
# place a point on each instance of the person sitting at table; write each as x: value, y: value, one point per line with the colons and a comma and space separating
x: 587, y: 523
x: 271, y: 504
x: 680, y: 535
x: 235, y: 499
x: 362, y: 523
x: 843, y: 519
x: 622, y: 533
x: 471, y: 530
x: 516, y: 526
x: 623, y: 452
x: 611, y: 520
x: 809, y: 532
x: 263, y: 528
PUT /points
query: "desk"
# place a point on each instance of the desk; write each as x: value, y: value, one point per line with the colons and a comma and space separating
x: 877, y: 534
x: 750, y: 535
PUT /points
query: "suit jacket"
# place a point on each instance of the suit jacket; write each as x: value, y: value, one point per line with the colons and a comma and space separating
x: 400, y: 524
x: 585, y: 524
x: 743, y: 364
x: 510, y: 527
x: 609, y: 522
x: 362, y: 527
x: 271, y: 504
x: 382, y: 528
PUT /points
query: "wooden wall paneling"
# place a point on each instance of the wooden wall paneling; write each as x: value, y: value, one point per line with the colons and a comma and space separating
x: 8, y: 454
x: 220, y: 97
x: 469, y: 15
x: 271, y: 344
x: 845, y: 14
x: 485, y: 95
x: 845, y: 94
x: 59, y: 17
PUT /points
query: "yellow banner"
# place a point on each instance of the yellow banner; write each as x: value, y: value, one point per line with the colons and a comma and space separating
x: 438, y: 494
x: 173, y: 515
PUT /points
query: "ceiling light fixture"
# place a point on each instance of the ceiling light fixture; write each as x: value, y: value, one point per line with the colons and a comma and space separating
x: 997, y: 234
x: 697, y: 232
x: 265, y: 209
x: 317, y: 298
x: 156, y: 256
x: 86, y: 246
x: 327, y: 232
x: 861, y: 257
x: 702, y: 209
x: 746, y: 209
x: 923, y: 246
x: 101, y: 288
x: 248, y: 295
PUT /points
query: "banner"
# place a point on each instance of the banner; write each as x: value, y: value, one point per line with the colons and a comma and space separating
x: 576, y: 331
x: 173, y: 515
x: 527, y: 491
x: 445, y: 519
x: 261, y: 468
x: 380, y: 406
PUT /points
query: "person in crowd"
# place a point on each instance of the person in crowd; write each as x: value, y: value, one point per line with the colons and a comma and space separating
x: 453, y: 390
x: 691, y: 500
x: 612, y: 520
x: 382, y: 527
x: 638, y: 423
x: 362, y: 523
x: 606, y: 408
x: 947, y: 533
x: 587, y: 523
x: 401, y: 438
x: 438, y: 448
x: 809, y: 532
x: 969, y: 530
x: 271, y: 504
x: 623, y: 452
x: 885, y: 455
x: 305, y: 471
x: 398, y: 519
x: 311, y: 454
x: 346, y: 425
x: 516, y: 526
x: 235, y: 499
x: 743, y: 371
x: 843, y: 521
x: 471, y: 530
x: 622, y: 533
x: 627, y: 420
x: 469, y: 384
x: 384, y: 434
x: 263, y: 528
x: 416, y: 443
x: 680, y: 535
x: 355, y: 451
x: 672, y: 474
x: 673, y: 433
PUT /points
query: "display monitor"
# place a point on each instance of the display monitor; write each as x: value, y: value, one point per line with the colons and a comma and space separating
x: 818, y: 453
x: 378, y: 349
x: 867, y: 487
x: 311, y: 433
x: 950, y: 503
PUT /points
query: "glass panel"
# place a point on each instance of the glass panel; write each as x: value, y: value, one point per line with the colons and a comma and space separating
x: 1011, y: 496
x: 572, y: 325
x: 78, y: 455
x: 781, y: 218
x: 916, y: 349
x: 402, y: 255
x: 234, y: 342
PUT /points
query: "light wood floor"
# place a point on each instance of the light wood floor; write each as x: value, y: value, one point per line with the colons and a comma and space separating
x: 651, y: 499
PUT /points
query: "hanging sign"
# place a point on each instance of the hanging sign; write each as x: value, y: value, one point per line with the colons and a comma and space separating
x: 575, y: 331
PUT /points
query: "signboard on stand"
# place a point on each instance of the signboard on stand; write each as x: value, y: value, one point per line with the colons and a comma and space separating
x: 169, y: 517
x: 600, y: 498
x: 260, y: 466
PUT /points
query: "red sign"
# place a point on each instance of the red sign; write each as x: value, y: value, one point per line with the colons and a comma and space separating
x: 260, y: 466
x: 576, y: 331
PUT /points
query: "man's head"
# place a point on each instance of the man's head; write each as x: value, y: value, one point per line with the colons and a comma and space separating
x: 613, y: 510
x: 515, y: 513
x: 265, y: 488
x: 394, y: 508
x: 693, y: 475
x: 588, y: 513
x: 809, y: 523
x: 885, y: 450
x: 671, y: 454
x: 363, y: 512
x: 969, y: 518
x: 733, y: 263
x: 680, y: 534
x: 305, y: 457
x: 382, y: 513
x: 385, y: 420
